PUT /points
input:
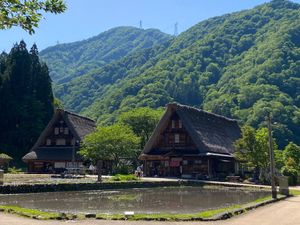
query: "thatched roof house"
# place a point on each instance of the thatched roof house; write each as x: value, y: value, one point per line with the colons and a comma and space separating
x: 190, y: 135
x: 4, y: 159
x: 57, y: 143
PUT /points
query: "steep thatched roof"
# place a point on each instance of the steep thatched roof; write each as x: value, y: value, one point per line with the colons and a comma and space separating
x: 210, y: 133
x: 4, y: 158
x: 79, y: 126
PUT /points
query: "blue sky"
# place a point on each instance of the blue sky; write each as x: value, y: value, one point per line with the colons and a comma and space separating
x: 87, y: 18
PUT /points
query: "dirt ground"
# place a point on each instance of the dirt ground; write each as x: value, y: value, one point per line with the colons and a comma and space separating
x: 286, y: 212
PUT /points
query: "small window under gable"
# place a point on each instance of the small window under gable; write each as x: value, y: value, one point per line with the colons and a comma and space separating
x: 61, y: 130
x: 66, y: 131
x: 177, y: 138
x: 48, y: 141
x: 180, y: 123
x: 56, y: 130
x: 173, y: 123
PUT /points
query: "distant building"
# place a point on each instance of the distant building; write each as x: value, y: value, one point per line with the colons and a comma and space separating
x: 57, y: 146
x: 191, y: 143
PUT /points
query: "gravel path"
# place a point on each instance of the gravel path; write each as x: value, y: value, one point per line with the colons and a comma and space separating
x: 286, y: 212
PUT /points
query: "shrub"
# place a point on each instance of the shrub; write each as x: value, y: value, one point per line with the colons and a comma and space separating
x: 291, y: 173
x: 120, y: 177
x: 14, y: 170
x: 124, y: 169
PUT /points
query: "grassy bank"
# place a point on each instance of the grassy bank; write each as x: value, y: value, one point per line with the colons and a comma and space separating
x: 215, y: 214
x: 31, y: 213
x: 294, y: 192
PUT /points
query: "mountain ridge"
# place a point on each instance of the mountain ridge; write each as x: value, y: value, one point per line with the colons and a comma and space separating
x: 241, y: 65
x: 70, y: 60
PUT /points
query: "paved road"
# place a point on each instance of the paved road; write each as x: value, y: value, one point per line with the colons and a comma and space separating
x: 286, y: 212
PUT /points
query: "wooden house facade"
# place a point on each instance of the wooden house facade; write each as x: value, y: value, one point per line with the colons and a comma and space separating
x: 192, y: 143
x: 56, y: 148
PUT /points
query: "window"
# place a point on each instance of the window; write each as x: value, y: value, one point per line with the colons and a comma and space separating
x: 48, y: 141
x: 66, y: 131
x: 180, y: 124
x: 59, y: 165
x: 173, y: 123
x: 56, y: 130
x: 60, y: 141
x: 177, y: 138
x: 198, y: 161
x: 61, y: 130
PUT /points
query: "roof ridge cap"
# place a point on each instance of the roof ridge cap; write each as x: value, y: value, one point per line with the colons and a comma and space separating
x: 75, y: 114
x: 206, y: 112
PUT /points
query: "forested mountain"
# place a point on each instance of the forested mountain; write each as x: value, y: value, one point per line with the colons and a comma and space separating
x: 67, y: 61
x: 240, y: 65
x: 26, y: 99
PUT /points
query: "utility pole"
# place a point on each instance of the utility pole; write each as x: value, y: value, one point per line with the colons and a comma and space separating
x: 176, y: 29
x: 272, y: 163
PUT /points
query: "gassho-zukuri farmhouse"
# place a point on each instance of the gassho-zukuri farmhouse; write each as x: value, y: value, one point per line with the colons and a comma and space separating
x: 187, y: 142
x: 191, y: 143
x: 56, y: 148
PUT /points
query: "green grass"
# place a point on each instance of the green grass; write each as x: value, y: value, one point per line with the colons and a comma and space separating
x: 120, y: 177
x: 294, y: 192
x: 259, y: 200
x: 32, y: 213
x: 169, y: 217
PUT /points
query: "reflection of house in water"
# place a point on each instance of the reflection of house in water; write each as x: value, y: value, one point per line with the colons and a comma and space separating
x: 56, y: 148
x: 190, y: 142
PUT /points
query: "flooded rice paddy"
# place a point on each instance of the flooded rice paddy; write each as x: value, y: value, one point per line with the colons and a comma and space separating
x: 140, y: 200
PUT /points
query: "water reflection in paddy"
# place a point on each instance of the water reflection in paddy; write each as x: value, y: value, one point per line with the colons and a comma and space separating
x: 146, y: 200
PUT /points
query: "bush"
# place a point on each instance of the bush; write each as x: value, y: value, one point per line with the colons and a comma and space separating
x: 120, y: 177
x: 14, y: 170
x: 291, y: 173
x: 124, y: 169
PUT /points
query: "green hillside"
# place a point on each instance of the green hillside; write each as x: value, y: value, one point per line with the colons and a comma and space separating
x: 240, y: 65
x: 67, y: 61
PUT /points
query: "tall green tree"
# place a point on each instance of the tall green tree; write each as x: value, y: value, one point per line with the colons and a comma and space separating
x: 292, y: 153
x: 27, y: 13
x: 26, y: 99
x: 142, y: 121
x: 109, y: 143
x: 291, y: 158
x: 252, y: 149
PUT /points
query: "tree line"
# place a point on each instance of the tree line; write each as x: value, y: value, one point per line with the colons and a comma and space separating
x: 252, y: 150
x: 26, y: 99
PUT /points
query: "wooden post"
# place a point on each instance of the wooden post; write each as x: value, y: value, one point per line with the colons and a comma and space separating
x: 99, y: 170
x: 272, y: 163
x: 1, y: 177
x: 145, y: 168
x: 236, y: 167
x: 209, y: 167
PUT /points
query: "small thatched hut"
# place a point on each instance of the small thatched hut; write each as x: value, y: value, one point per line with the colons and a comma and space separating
x: 4, y: 160
x: 190, y: 142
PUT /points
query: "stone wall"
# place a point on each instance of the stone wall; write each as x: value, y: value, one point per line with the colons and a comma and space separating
x: 34, y: 188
